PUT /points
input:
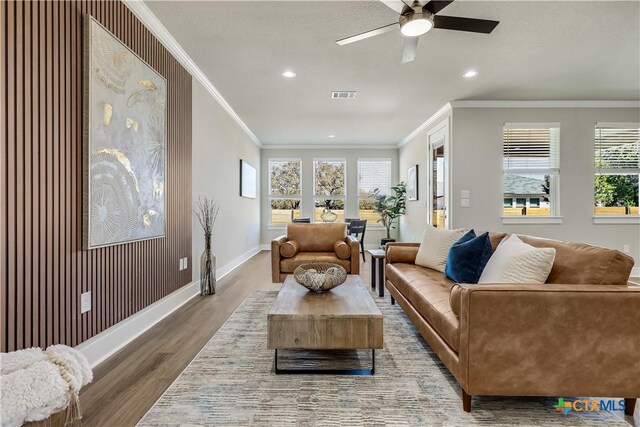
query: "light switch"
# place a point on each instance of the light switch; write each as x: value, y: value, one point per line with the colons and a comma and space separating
x: 464, y: 203
x: 464, y: 194
x: 85, y: 302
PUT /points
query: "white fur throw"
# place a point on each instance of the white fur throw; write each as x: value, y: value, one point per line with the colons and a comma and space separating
x: 35, y: 384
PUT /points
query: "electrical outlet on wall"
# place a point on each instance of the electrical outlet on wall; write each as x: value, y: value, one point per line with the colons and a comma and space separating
x: 625, y: 249
x: 85, y: 302
x: 186, y: 262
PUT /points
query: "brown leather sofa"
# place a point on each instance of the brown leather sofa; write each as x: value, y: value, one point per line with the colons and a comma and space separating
x: 306, y: 243
x: 576, y: 335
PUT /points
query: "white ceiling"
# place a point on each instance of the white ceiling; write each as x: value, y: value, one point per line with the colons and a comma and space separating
x: 554, y: 50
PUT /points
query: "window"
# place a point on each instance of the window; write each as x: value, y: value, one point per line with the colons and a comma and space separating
x: 372, y: 174
x: 329, y: 188
x: 617, y: 164
x: 285, y: 190
x: 530, y: 162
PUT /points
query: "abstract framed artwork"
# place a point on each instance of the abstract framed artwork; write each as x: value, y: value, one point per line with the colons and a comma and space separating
x: 412, y: 183
x: 124, y: 152
x: 248, y: 180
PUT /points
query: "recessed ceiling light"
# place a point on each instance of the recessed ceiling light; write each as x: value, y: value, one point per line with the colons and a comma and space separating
x: 288, y: 74
x: 332, y: 136
x: 469, y: 74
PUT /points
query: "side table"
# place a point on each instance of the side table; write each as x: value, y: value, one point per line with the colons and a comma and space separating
x: 377, y: 263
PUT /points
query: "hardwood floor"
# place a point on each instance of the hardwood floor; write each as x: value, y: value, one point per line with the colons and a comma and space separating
x: 127, y: 384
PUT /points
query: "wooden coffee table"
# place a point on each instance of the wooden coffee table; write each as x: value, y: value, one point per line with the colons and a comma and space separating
x: 343, y: 318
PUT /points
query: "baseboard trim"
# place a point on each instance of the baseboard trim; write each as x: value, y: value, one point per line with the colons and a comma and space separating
x: 102, y: 346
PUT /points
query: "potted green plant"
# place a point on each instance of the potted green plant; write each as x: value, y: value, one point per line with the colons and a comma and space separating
x: 390, y: 208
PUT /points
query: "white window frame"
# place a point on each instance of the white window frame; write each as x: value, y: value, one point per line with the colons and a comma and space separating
x: 614, y: 219
x: 317, y: 197
x: 359, y: 197
x: 554, y: 185
x: 282, y: 197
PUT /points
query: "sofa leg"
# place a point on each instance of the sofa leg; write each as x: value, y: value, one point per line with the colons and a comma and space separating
x: 466, y: 401
x: 393, y: 301
x: 629, y: 406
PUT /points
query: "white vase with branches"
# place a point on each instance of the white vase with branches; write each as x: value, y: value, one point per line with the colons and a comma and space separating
x: 207, y: 211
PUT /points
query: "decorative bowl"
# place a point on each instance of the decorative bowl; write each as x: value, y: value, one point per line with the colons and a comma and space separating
x: 320, y: 276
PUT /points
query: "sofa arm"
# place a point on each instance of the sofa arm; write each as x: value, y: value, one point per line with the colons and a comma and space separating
x: 354, y: 244
x: 275, y: 257
x: 550, y: 340
x: 401, y: 252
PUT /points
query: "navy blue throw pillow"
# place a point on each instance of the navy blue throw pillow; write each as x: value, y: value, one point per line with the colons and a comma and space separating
x: 468, y: 257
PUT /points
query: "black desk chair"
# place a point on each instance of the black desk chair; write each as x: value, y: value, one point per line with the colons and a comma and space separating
x: 302, y: 220
x: 357, y: 228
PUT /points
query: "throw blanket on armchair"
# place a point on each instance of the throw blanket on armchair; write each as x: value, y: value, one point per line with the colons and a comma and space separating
x: 35, y: 384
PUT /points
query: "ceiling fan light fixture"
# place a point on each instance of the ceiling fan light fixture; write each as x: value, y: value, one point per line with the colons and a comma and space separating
x: 416, y: 24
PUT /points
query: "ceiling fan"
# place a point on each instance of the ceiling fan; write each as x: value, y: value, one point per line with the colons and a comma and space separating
x: 417, y: 19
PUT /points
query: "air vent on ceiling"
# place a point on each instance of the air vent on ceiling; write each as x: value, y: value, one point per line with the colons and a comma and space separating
x: 343, y: 94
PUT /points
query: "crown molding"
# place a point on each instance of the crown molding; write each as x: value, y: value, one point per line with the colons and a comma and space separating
x: 151, y: 21
x: 545, y: 104
x: 446, y: 109
x: 329, y: 147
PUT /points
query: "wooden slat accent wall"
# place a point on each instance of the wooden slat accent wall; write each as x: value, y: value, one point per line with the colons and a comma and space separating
x: 44, y: 269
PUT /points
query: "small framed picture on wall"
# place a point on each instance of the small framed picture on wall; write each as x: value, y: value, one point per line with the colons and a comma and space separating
x: 248, y: 180
x: 412, y: 183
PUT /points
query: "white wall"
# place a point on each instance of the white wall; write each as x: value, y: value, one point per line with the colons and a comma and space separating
x: 218, y: 146
x: 373, y: 233
x: 477, y: 166
x: 476, y: 162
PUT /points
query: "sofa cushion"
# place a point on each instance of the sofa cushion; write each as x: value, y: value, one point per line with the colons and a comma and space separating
x: 289, y: 249
x: 428, y: 292
x: 455, y: 297
x: 517, y: 262
x: 317, y: 237
x: 288, y: 265
x: 585, y: 264
x: 468, y: 257
x: 435, y: 246
x: 342, y: 250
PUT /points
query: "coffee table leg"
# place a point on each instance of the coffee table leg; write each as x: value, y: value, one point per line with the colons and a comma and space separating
x: 373, y: 273
x: 373, y: 361
x: 328, y: 371
x: 380, y: 277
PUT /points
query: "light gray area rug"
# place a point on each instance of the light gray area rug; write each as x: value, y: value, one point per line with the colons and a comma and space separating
x: 232, y: 382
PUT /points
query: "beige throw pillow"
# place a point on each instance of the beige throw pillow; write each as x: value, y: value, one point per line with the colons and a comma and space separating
x: 435, y: 246
x: 517, y: 262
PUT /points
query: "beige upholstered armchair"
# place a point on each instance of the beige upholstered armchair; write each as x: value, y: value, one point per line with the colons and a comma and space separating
x: 305, y: 243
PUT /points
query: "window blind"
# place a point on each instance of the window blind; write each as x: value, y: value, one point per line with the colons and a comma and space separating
x: 531, y: 149
x: 373, y: 174
x: 617, y: 149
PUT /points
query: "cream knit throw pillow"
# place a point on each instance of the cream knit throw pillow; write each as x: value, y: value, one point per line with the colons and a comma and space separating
x: 517, y: 262
x: 435, y: 246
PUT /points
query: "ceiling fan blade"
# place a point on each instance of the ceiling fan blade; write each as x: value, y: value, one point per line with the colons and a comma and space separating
x: 409, y: 50
x: 464, y: 24
x: 435, y: 6
x: 368, y: 34
x: 398, y: 6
